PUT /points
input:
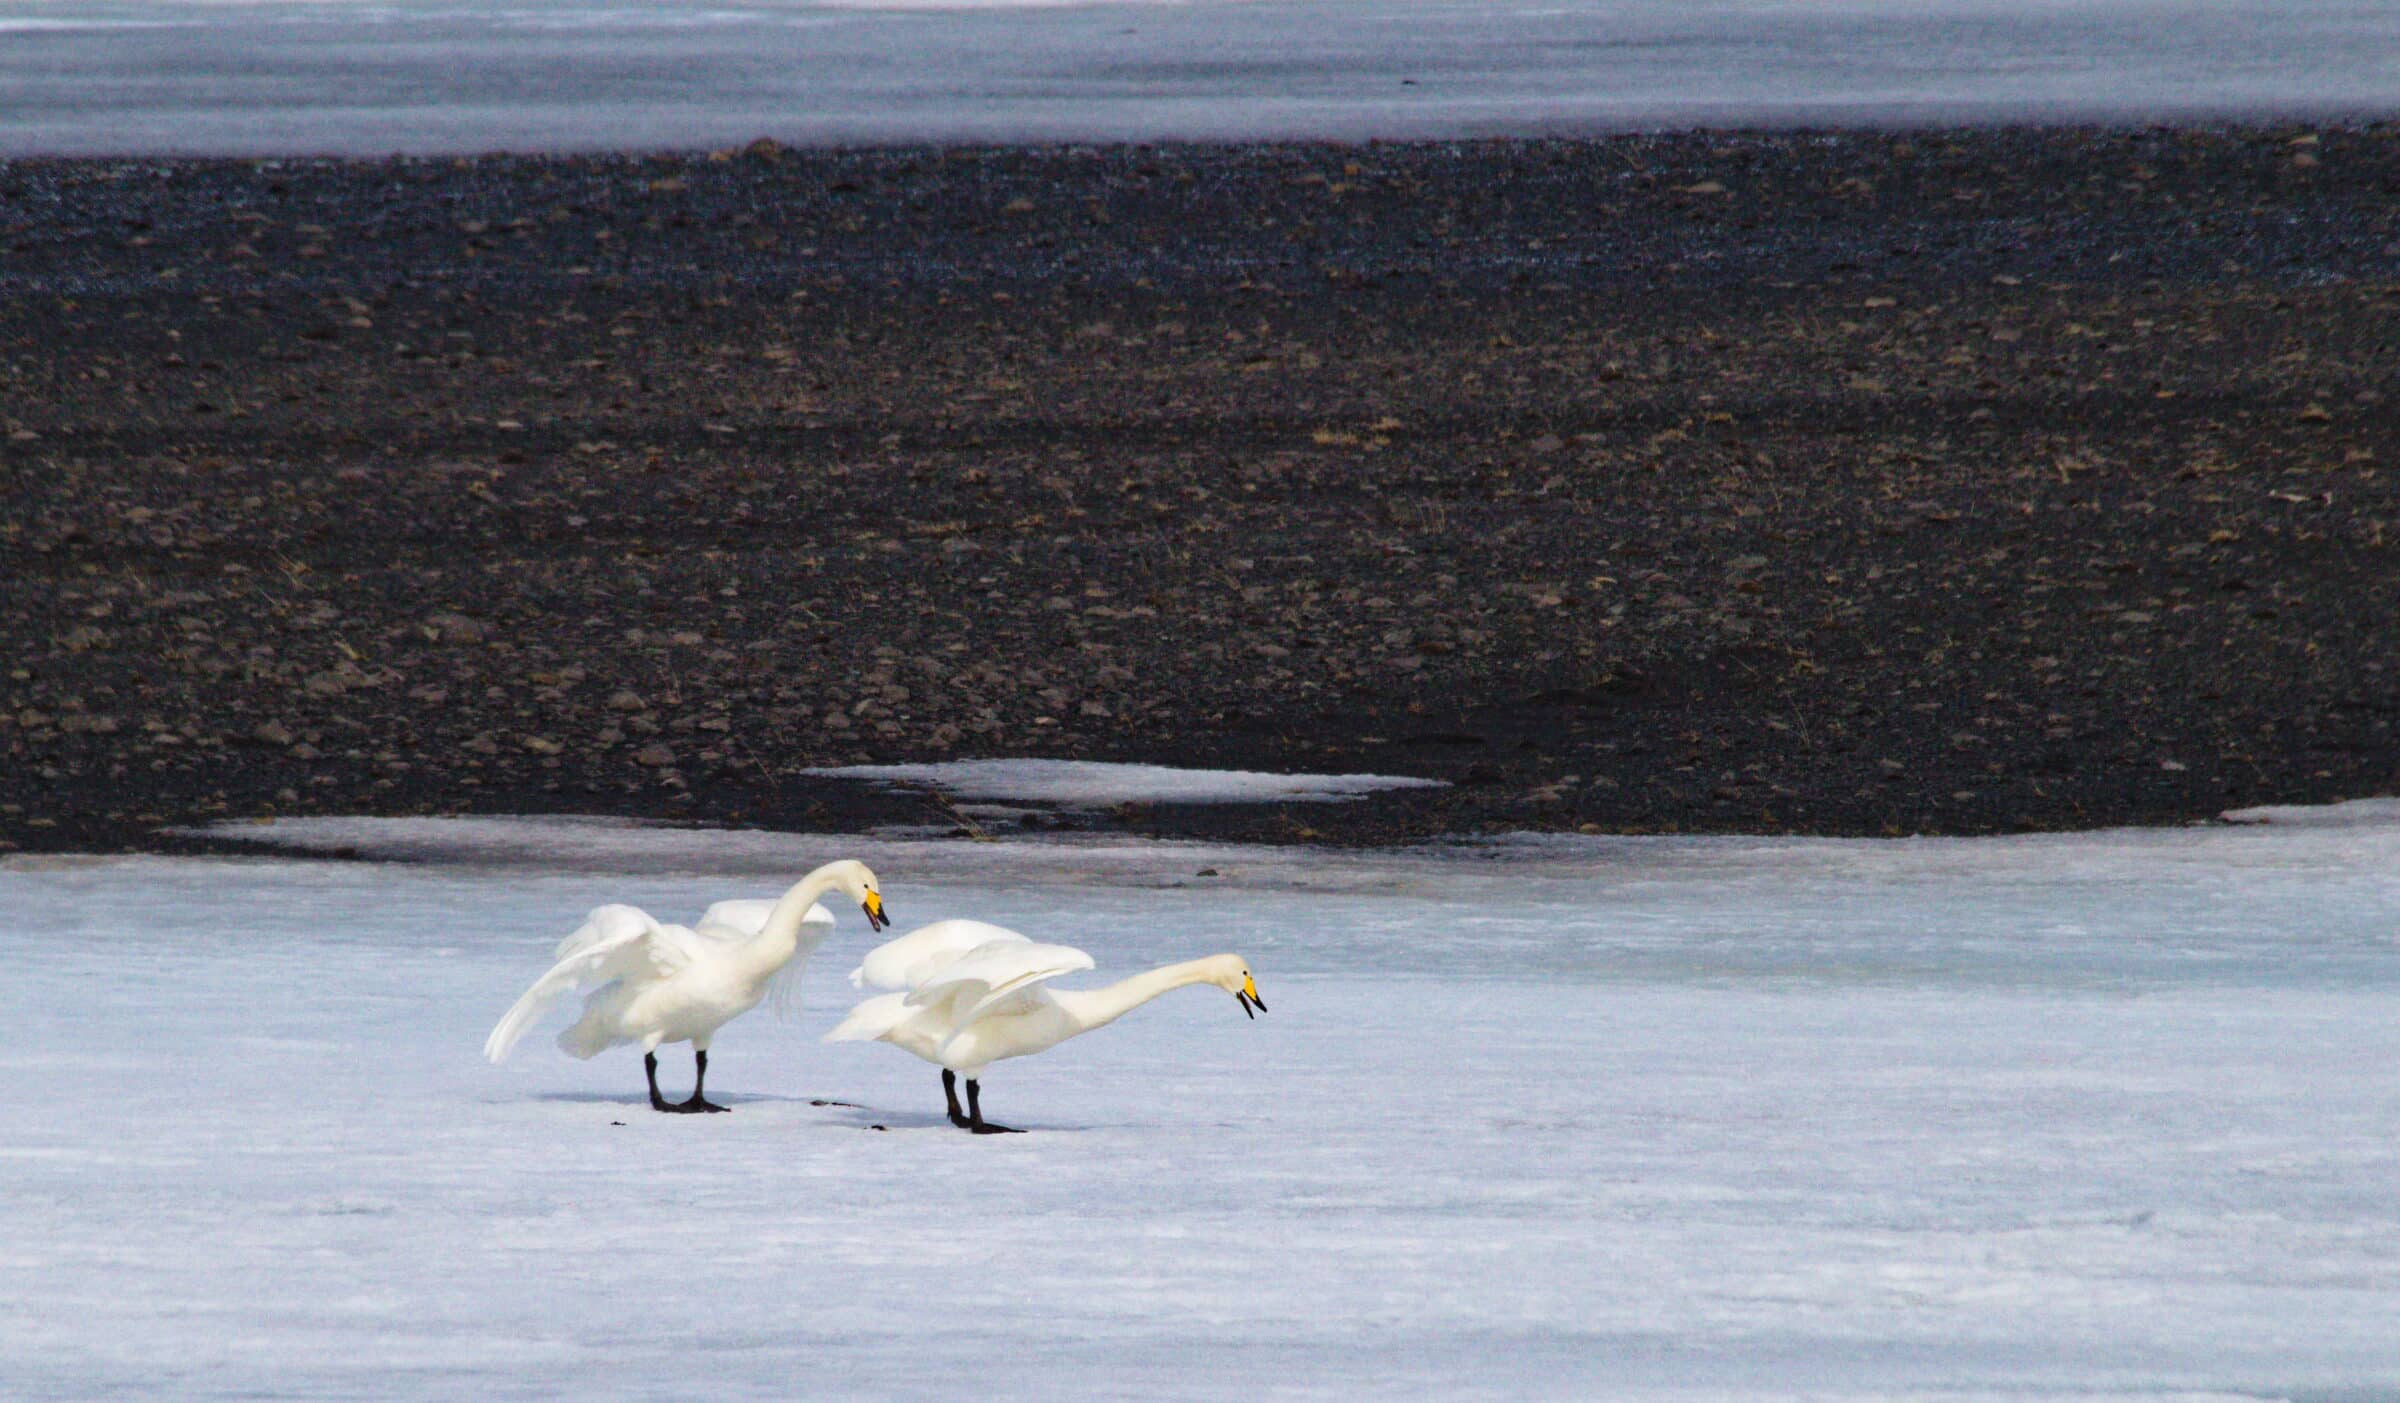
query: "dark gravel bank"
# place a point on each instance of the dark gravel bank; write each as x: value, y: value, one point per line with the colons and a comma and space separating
x: 1935, y: 482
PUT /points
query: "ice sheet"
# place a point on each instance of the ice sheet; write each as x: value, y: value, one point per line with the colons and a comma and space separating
x: 369, y: 77
x: 2100, y: 1116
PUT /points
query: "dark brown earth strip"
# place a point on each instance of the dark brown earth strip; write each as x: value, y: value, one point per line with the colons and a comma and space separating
x: 1941, y: 482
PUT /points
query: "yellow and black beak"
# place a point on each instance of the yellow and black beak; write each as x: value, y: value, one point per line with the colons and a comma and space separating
x: 1248, y: 995
x: 873, y: 906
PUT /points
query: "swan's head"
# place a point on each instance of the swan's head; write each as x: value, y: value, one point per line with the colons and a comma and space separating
x: 1232, y: 974
x: 857, y: 881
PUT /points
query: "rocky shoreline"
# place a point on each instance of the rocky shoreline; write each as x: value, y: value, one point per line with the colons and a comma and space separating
x: 1936, y: 482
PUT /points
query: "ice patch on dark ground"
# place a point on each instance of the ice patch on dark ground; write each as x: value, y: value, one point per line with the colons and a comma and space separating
x: 1098, y: 783
x: 2359, y: 813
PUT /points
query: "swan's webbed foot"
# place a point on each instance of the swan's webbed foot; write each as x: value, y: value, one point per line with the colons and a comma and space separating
x: 699, y: 1101
x: 974, y: 1121
x: 696, y: 1104
x: 950, y: 1094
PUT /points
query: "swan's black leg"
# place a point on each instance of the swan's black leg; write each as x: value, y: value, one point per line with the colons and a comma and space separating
x: 950, y: 1094
x: 975, y: 1120
x: 699, y: 1082
x: 650, y: 1069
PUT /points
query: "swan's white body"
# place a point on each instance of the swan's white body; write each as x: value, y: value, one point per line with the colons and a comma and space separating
x: 974, y: 994
x: 655, y: 984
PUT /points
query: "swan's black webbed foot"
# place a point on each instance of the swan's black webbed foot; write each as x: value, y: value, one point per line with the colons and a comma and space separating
x: 694, y: 1106
x: 950, y: 1094
x: 699, y: 1101
x: 697, y: 1104
x: 975, y: 1121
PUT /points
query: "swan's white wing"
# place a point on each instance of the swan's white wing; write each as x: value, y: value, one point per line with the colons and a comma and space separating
x: 614, y: 942
x: 906, y: 961
x: 606, y: 927
x: 662, y: 955
x: 991, y: 977
x: 742, y: 918
x: 783, y: 991
x: 872, y: 1019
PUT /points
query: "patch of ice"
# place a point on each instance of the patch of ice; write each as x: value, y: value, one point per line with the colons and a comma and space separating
x: 2357, y: 813
x: 1096, y: 784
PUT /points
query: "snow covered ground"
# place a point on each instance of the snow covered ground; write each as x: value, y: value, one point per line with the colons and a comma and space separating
x: 368, y: 77
x: 2115, y: 1115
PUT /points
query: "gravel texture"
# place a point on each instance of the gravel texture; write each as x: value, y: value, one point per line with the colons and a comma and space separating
x: 1881, y: 483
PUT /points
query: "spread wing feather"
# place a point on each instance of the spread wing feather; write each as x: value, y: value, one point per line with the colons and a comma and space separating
x: 952, y: 973
x: 991, y: 977
x: 872, y: 1019
x: 908, y: 960
x: 613, y: 942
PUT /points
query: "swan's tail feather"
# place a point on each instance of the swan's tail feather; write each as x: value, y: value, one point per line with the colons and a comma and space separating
x: 872, y: 1019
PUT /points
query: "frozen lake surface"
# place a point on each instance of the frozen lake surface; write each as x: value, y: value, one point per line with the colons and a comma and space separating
x: 377, y: 76
x: 2114, y: 1115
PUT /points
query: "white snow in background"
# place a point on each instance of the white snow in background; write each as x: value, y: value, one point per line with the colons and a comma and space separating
x: 2114, y: 1115
x: 369, y: 77
x: 1098, y: 783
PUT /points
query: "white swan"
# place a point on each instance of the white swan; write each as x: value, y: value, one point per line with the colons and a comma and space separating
x: 974, y: 995
x: 656, y: 984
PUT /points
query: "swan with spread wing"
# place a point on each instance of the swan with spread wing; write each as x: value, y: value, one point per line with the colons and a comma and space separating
x: 654, y: 984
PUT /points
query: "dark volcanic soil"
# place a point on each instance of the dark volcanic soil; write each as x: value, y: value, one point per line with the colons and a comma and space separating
x: 1861, y: 484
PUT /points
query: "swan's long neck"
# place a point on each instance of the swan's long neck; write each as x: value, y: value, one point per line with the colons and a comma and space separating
x: 779, y: 939
x: 1094, y: 1007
